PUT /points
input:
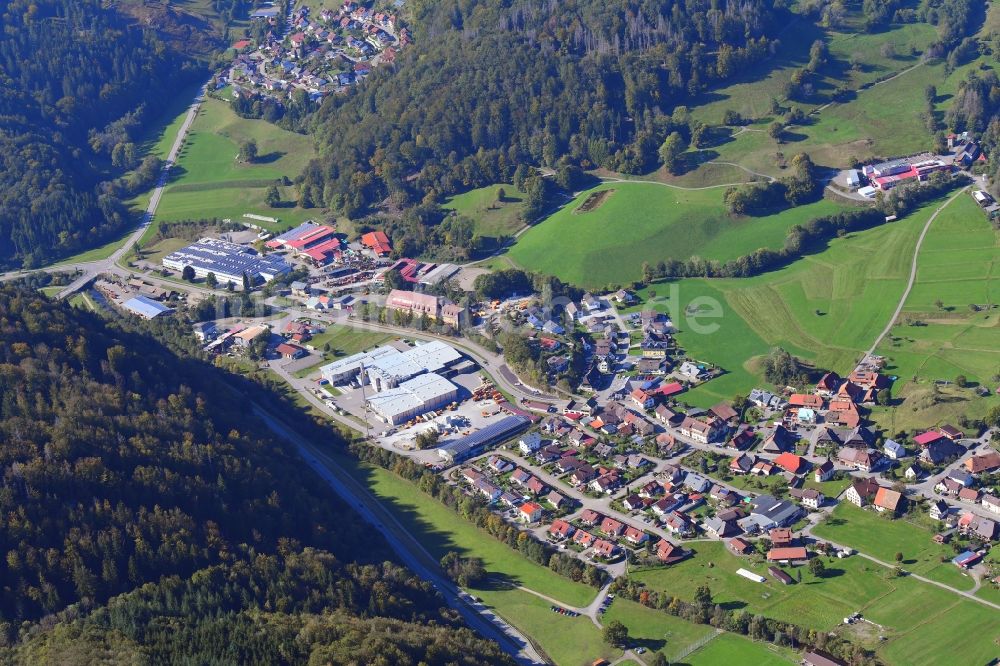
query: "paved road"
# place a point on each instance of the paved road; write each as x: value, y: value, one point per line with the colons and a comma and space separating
x: 409, y: 549
x: 913, y: 272
x: 90, y: 269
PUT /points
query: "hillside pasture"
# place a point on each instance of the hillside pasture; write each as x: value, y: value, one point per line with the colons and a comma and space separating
x: 647, y: 222
x: 939, y: 335
x: 209, y: 181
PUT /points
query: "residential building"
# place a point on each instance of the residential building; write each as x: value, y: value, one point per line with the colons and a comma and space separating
x: 991, y: 503
x: 530, y: 512
x: 529, y: 443
x: 888, y: 500
x: 824, y: 472
x: 893, y: 450
x: 988, y: 462
x: 861, y: 492
x: 560, y: 529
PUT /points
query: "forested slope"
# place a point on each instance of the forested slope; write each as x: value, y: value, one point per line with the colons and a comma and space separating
x: 77, y: 82
x: 490, y: 85
x: 126, y: 469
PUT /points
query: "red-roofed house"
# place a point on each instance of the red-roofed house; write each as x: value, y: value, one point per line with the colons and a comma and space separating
x: 925, y: 439
x: 377, y: 242
x: 670, y: 389
x: 561, y: 529
x: 635, y: 535
x: 605, y: 548
x: 805, y: 400
x: 290, y: 351
x: 530, y: 512
x: 788, y: 555
x: 790, y: 463
x: 668, y: 553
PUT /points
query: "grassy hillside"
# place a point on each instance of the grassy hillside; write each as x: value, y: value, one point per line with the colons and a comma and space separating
x: 491, y: 216
x: 646, y: 222
x: 210, y: 181
x: 826, y: 307
x: 957, y: 267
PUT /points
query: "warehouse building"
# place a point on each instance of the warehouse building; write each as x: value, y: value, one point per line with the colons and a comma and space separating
x: 146, y: 308
x: 228, y: 261
x: 386, y: 367
x: 476, y: 443
x: 412, y: 398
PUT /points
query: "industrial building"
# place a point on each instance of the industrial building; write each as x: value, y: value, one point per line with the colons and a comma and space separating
x: 476, y: 443
x: 318, y: 242
x: 429, y: 305
x: 227, y: 261
x: 412, y: 398
x: 386, y: 367
x: 145, y: 307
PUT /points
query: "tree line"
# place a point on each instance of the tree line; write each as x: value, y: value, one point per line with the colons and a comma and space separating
x: 475, y: 511
x: 80, y: 81
x: 488, y: 86
x: 144, y: 512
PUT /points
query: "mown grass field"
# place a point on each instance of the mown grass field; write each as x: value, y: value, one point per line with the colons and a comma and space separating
x: 569, y: 641
x: 870, y: 533
x: 957, y: 267
x: 647, y: 222
x: 491, y: 216
x: 440, y: 530
x: 209, y: 181
x: 733, y: 649
x: 826, y: 307
x: 919, y: 620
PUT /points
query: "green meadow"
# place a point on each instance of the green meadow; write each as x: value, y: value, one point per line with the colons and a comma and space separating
x: 646, y: 222
x: 492, y: 216
x: 950, y: 324
x: 209, y: 181
x: 826, y: 308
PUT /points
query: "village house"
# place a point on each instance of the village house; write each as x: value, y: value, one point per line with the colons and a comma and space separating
x: 560, y: 529
x: 612, y: 527
x: 809, y: 497
x: 888, y: 500
x: 667, y: 552
x: 605, y: 549
x: 863, y: 460
x: 939, y: 510
x: 968, y: 495
x: 861, y: 492
x: 699, y: 430
x: 583, y: 538
x: 556, y: 500
x: 991, y: 503
x: 678, y: 524
x: 791, y: 463
x: 790, y: 555
x: 530, y: 443
x: 893, y: 450
x: 825, y: 471
x: 988, y: 462
x: 742, y: 464
x: 635, y: 536
x: 589, y: 517
x: 530, y: 512
x: 740, y: 546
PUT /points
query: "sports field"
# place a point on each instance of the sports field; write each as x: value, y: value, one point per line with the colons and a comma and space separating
x: 209, y: 181
x: 940, y: 336
x: 647, y: 222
